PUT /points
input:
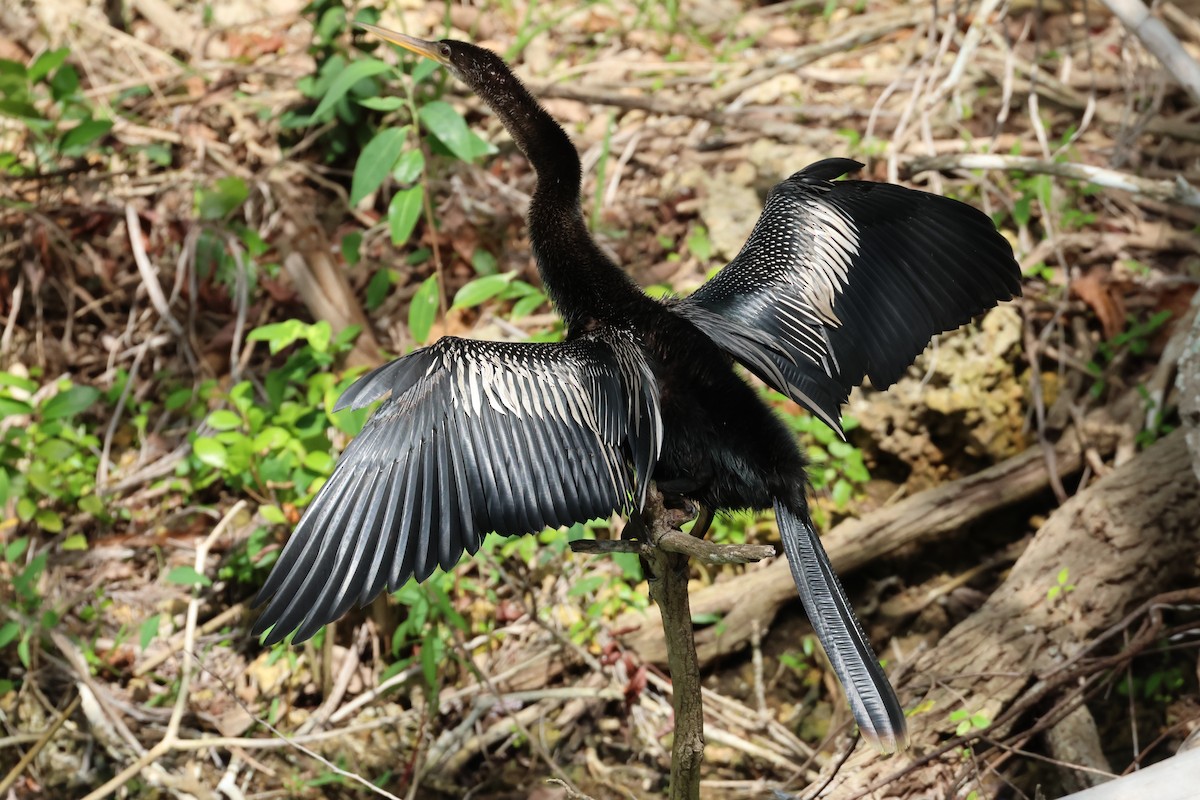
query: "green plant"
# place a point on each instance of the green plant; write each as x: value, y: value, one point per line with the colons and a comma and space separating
x: 24, y: 597
x: 965, y: 721
x: 429, y: 623
x: 45, y: 97
x: 48, y: 459
x: 1135, y: 340
x: 1162, y: 686
x: 1156, y: 425
x: 272, y: 443
x: 1061, y: 586
x: 835, y: 466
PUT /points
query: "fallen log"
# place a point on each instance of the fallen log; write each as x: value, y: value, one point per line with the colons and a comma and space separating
x: 1126, y: 538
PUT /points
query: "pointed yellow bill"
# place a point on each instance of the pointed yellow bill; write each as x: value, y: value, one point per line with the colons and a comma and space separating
x: 418, y: 46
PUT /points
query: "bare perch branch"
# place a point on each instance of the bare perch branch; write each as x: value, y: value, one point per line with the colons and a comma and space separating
x: 675, y: 541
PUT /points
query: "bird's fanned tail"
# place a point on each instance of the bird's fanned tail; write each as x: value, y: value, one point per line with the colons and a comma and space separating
x: 872, y: 699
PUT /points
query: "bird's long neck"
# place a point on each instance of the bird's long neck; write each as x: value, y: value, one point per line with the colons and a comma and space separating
x: 585, y: 285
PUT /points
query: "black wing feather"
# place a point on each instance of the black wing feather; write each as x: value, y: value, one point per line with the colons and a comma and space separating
x: 848, y: 279
x: 469, y: 441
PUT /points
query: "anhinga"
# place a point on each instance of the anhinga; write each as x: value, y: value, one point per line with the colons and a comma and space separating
x: 839, y: 279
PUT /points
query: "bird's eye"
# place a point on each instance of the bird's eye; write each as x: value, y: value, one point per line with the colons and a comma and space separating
x: 444, y: 50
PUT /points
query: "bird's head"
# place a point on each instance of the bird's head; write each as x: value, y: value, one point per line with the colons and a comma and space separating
x: 473, y: 65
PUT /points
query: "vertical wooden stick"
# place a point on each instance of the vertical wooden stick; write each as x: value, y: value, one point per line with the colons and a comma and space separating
x: 668, y: 583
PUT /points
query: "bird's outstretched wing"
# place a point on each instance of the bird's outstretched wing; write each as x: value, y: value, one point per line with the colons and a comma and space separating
x: 475, y: 437
x: 850, y: 278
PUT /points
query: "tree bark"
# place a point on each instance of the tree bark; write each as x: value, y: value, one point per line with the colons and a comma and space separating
x: 1126, y: 538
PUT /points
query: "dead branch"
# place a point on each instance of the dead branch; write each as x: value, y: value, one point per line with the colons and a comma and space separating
x: 1177, y: 191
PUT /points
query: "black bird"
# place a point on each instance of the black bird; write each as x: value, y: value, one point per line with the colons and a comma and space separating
x: 839, y: 280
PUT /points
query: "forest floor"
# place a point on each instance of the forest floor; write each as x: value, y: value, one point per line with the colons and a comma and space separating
x: 199, y: 203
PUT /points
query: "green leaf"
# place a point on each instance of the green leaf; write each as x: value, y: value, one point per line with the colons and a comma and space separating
x: 225, y: 195
x: 587, y: 585
x: 148, y: 630
x: 76, y: 541
x: 376, y: 161
x: 431, y: 659
x: 26, y: 508
x: 48, y: 520
x: 1022, y: 210
x: 271, y: 437
x: 46, y: 63
x: 423, y: 69
x: 91, y: 504
x: 25, y: 384
x: 477, y: 291
x: 15, y: 549
x: 319, y: 462
x: 9, y: 631
x: 352, y: 247
x: 440, y: 119
x: 378, y: 287
x: 408, y: 167
x: 527, y: 305
x: 403, y: 213
x: 178, y: 399
x: 422, y: 310
x: 187, y: 576
x: 278, y: 335
x: 352, y: 74
x: 23, y: 651
x: 698, y: 243
x: 77, y: 140
x: 319, y: 335
x: 55, y: 451
x: 224, y: 420
x: 272, y: 514
x: 483, y: 262
x: 382, y: 103
x: 14, y: 408
x: 70, y: 402
x: 841, y: 492
x: 26, y: 112
x: 210, y: 452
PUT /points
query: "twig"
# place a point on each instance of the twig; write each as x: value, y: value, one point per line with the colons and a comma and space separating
x: 1177, y: 191
x: 14, y: 311
x: 149, y: 274
x: 804, y: 55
